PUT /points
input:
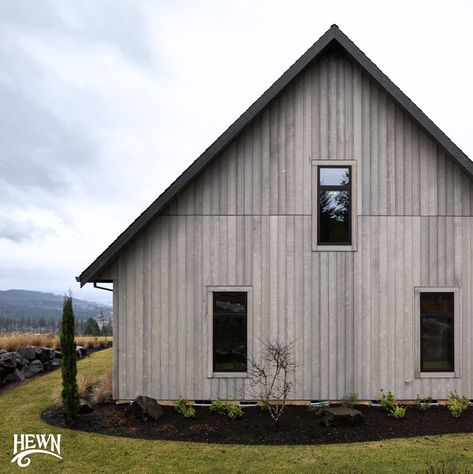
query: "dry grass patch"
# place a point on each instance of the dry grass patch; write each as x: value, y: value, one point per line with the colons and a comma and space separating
x: 102, y: 390
x: 84, y: 385
x: 93, y: 342
x: 13, y: 341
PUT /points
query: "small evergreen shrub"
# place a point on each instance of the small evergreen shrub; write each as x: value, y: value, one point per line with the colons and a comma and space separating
x: 185, y: 408
x: 232, y: 410
x: 387, y: 400
x: 264, y: 406
x: 423, y: 404
x: 397, y: 411
x: 457, y: 404
x: 349, y: 400
x: 219, y: 406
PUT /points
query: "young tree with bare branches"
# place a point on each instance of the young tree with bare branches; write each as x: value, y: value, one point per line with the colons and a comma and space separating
x: 271, y: 377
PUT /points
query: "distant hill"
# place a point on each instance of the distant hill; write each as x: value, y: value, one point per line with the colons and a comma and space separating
x: 25, y: 304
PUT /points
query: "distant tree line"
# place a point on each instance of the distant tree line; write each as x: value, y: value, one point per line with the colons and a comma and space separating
x: 82, y: 326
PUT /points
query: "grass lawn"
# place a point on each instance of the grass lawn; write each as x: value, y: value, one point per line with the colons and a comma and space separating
x: 20, y: 410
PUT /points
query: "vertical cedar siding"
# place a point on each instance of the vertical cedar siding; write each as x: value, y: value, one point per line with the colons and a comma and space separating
x: 246, y: 220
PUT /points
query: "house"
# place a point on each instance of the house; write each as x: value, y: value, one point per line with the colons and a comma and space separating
x: 332, y: 213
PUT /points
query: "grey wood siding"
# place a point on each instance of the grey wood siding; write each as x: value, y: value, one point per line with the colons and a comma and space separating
x: 246, y: 221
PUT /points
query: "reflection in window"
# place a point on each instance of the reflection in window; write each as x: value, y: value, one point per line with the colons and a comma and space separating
x: 229, y: 331
x: 334, y: 213
x: 436, y: 313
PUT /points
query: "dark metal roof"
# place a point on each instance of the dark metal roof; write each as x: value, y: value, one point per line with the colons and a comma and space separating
x: 334, y: 36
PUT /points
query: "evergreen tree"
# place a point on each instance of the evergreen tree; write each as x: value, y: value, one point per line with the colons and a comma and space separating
x: 70, y: 393
x: 91, y: 328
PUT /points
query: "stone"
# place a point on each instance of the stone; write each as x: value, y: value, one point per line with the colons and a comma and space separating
x: 48, y: 365
x: 145, y: 408
x: 341, y: 416
x: 56, y: 363
x: 35, y: 367
x: 44, y: 353
x: 20, y: 360
x: 27, y: 352
x: 14, y: 377
x: 8, y: 361
x: 57, y: 354
x: 85, y: 407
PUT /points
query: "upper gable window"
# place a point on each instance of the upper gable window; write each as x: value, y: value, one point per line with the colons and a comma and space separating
x: 334, y: 205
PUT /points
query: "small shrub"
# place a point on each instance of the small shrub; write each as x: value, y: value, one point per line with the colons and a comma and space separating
x: 219, y: 406
x: 397, y: 411
x: 387, y: 400
x: 185, y: 408
x: 234, y: 411
x: 423, y: 404
x: 349, y: 400
x: 457, y: 404
x: 264, y: 406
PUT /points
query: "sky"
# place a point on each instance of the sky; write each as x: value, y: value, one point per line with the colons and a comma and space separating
x: 103, y: 103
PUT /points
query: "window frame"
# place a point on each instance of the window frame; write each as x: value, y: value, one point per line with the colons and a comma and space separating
x: 354, y: 203
x: 456, y: 332
x: 209, y: 337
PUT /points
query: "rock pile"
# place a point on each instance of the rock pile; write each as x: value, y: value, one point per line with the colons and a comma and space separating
x: 29, y: 361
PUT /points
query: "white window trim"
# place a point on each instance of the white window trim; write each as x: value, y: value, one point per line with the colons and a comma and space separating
x: 456, y: 332
x: 249, y: 313
x: 355, y: 188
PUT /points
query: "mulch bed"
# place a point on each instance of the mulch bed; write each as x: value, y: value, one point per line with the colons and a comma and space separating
x: 298, y: 425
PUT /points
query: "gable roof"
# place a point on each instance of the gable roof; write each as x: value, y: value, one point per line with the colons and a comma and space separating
x: 333, y: 36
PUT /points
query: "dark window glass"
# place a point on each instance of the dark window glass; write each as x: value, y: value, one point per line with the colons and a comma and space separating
x: 334, y: 213
x: 229, y: 331
x: 437, y: 332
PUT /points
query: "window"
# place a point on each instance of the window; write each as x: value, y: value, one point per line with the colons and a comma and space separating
x: 334, y: 205
x: 230, y: 312
x: 436, y: 332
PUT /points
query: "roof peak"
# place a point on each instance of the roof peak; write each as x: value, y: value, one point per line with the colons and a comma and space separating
x: 333, y: 34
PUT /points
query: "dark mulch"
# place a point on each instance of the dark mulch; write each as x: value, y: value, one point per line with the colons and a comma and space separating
x: 298, y: 425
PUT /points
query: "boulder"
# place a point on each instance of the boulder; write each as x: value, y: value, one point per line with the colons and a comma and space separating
x: 340, y: 416
x: 85, y: 407
x: 56, y: 363
x: 2, y: 351
x: 145, y: 408
x: 48, y: 365
x: 57, y: 354
x: 14, y: 377
x: 20, y: 360
x: 27, y: 352
x: 34, y: 368
x: 44, y: 353
x: 8, y: 361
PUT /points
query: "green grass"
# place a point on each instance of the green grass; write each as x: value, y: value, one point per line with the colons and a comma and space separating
x: 20, y: 410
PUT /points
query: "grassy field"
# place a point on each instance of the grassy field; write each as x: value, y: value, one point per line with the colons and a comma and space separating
x: 12, y: 341
x: 20, y: 410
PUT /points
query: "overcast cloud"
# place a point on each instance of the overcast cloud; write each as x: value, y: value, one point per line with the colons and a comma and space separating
x: 105, y: 102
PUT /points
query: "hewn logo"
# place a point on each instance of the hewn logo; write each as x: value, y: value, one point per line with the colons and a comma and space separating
x: 24, y: 445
